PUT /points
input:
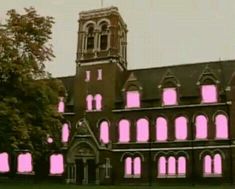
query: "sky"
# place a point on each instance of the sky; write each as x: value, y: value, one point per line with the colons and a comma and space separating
x: 160, y: 32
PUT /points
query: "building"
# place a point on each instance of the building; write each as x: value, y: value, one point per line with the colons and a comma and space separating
x: 173, y: 124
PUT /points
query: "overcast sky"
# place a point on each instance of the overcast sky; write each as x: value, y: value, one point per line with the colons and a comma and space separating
x: 161, y: 32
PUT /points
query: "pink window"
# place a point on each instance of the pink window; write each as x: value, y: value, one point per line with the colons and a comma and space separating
x: 24, y: 163
x: 207, y: 162
x: 137, y: 166
x: 201, y: 127
x: 209, y: 93
x: 162, y: 166
x: 181, y: 165
x: 221, y: 123
x: 89, y: 100
x: 181, y: 128
x: 128, y: 166
x: 61, y: 105
x: 4, y: 162
x: 217, y: 164
x: 104, y: 132
x: 132, y: 99
x: 171, y: 166
x: 142, y: 130
x: 56, y: 164
x: 50, y: 140
x: 169, y: 96
x: 87, y: 76
x: 99, y: 77
x: 124, y: 131
x: 65, y: 133
x: 98, y: 102
x: 161, y: 129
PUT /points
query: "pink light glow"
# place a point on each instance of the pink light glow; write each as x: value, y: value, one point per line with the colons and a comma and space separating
x: 24, y: 164
x: 104, y: 132
x: 209, y: 93
x: 217, y: 164
x: 142, y: 130
x: 137, y: 166
x: 162, y: 166
x: 182, y: 165
x: 201, y: 127
x: 171, y: 166
x: 61, y: 105
x: 99, y: 74
x: 161, y: 129
x: 87, y: 76
x: 207, y: 164
x: 4, y: 162
x: 124, y: 131
x: 169, y: 96
x: 89, y: 100
x: 128, y: 166
x: 133, y: 99
x: 221, y: 123
x: 56, y: 164
x: 181, y: 128
x: 98, y: 100
x: 50, y: 140
x: 65, y: 133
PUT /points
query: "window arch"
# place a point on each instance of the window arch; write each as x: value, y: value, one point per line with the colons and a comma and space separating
x: 161, y: 129
x: 209, y: 93
x: 90, y: 37
x: 124, y: 130
x: 4, y: 162
x: 181, y: 128
x: 65, y: 133
x: 142, y: 130
x: 24, y: 163
x: 104, y: 132
x: 89, y: 100
x: 201, y: 127
x: 221, y: 126
x: 98, y: 102
x: 56, y: 164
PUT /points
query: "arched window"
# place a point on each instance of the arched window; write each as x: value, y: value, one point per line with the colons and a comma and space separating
x: 104, y: 36
x: 98, y: 102
x: 171, y: 166
x: 124, y: 130
x: 181, y: 165
x: 65, y: 133
x: 4, y: 162
x: 209, y: 93
x: 90, y: 37
x: 181, y: 128
x: 169, y: 96
x: 201, y: 127
x: 162, y: 166
x: 132, y: 99
x: 56, y: 164
x: 104, y: 132
x: 221, y: 124
x: 137, y: 166
x: 161, y: 129
x: 207, y: 164
x: 24, y: 163
x: 217, y: 164
x: 61, y: 105
x: 142, y: 132
x: 128, y: 166
x: 89, y: 100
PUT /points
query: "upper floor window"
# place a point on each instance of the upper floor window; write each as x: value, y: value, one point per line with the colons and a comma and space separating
x: 169, y: 96
x: 56, y: 164
x: 212, y: 166
x: 142, y: 127
x: 87, y: 75
x: 104, y: 36
x: 4, y: 162
x: 181, y: 128
x: 201, y: 127
x: 161, y: 129
x: 132, y: 99
x: 90, y: 37
x: 98, y: 102
x: 65, y: 133
x: 221, y: 124
x: 61, y: 105
x: 104, y: 132
x: 99, y: 73
x: 89, y: 100
x: 124, y: 130
x: 24, y: 163
x: 209, y: 93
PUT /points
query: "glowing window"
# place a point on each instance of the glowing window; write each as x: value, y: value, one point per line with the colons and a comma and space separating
x: 217, y: 164
x: 201, y: 127
x: 98, y: 102
x: 137, y: 166
x: 88, y: 76
x: 50, y: 140
x: 56, y: 164
x: 171, y: 165
x: 161, y: 129
x: 181, y: 165
x: 133, y: 99
x: 169, y: 96
x: 104, y: 132
x: 61, y: 105
x: 24, y: 163
x: 142, y: 130
x: 207, y: 162
x: 65, y: 133
x: 99, y: 74
x: 209, y: 93
x: 124, y: 131
x: 128, y: 166
x: 162, y: 166
x: 181, y: 128
x: 4, y: 162
x: 89, y: 100
x: 221, y: 123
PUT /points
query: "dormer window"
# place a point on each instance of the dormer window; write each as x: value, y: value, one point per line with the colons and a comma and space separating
x: 132, y: 99
x: 209, y: 93
x: 169, y: 96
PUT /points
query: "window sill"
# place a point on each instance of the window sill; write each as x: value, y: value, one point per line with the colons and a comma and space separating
x: 26, y: 173
x: 171, y: 176
x: 93, y: 111
x: 212, y: 175
x: 132, y: 176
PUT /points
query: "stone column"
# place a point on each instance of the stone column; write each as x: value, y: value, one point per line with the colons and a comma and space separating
x: 85, y: 179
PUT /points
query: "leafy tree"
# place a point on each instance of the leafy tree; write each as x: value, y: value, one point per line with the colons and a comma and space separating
x: 28, y: 94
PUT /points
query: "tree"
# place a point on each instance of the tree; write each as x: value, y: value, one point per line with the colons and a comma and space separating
x: 28, y: 94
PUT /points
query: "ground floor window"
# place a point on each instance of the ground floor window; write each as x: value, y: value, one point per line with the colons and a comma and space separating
x: 132, y: 167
